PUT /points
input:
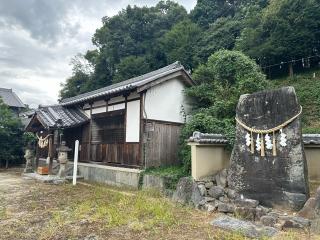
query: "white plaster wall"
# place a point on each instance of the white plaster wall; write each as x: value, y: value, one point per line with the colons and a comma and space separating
x: 133, y: 121
x: 116, y: 107
x: 166, y: 101
x: 98, y: 110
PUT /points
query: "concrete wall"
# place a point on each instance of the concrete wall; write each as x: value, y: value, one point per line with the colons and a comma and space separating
x: 207, y: 159
x: 313, y: 161
x: 115, y: 176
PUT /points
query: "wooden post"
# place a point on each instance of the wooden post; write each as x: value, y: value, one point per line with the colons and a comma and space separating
x: 141, y: 147
x: 125, y: 117
x: 90, y: 134
x: 37, y: 157
x: 290, y: 69
x: 50, y: 154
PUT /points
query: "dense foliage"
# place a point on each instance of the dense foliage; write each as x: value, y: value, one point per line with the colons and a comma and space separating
x: 11, y: 139
x: 307, y: 85
x: 281, y: 35
x: 221, y: 81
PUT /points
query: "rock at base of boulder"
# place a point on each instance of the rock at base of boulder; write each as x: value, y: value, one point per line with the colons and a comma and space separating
x: 232, y: 194
x: 269, y: 221
x: 225, y: 207
x: 308, y: 211
x: 246, y: 213
x: 196, y: 195
x: 295, y: 200
x: 184, y: 191
x: 245, y: 202
x: 261, y: 211
x: 294, y: 222
x: 202, y: 189
x: 221, y: 178
x: 248, y: 229
x: 216, y: 192
x: 187, y: 192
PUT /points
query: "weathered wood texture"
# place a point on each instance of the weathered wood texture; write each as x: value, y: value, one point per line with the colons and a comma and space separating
x: 273, y: 180
x: 161, y: 143
x: 108, y: 142
x: 126, y: 154
x: 70, y: 135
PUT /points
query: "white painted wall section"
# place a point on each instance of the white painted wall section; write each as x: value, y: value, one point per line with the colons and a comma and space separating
x: 98, y: 110
x: 133, y: 121
x: 166, y: 102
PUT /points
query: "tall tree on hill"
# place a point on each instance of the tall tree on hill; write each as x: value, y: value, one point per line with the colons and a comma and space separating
x: 285, y: 30
x: 178, y: 43
x: 125, y: 41
x: 134, y: 31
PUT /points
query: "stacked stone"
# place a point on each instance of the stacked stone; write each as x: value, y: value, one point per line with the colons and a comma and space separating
x: 212, y: 194
x: 216, y: 196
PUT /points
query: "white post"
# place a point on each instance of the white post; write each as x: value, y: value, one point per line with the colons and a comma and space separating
x: 75, y: 162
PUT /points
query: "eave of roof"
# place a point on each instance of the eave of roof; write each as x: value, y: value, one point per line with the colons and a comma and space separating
x: 130, y: 84
x: 57, y: 116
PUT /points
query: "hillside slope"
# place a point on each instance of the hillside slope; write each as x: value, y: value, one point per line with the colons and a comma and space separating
x: 308, y: 90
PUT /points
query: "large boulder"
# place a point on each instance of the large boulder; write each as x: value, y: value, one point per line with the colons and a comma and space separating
x: 280, y: 180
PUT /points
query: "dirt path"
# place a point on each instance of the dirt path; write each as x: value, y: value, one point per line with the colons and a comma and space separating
x: 33, y: 210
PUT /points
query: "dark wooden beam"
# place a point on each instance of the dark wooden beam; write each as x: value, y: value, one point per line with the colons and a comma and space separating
x: 90, y: 132
x: 50, y: 154
x: 141, y: 153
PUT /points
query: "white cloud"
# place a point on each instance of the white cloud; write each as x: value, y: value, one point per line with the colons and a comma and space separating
x: 38, y: 39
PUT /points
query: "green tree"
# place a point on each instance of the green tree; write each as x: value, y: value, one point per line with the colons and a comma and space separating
x: 221, y: 34
x: 283, y: 31
x: 221, y: 81
x: 125, y: 41
x: 130, y: 67
x: 79, y: 81
x: 208, y: 11
x: 135, y: 30
x: 178, y: 43
x: 11, y: 141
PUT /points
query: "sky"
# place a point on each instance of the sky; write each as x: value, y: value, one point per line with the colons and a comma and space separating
x: 38, y: 39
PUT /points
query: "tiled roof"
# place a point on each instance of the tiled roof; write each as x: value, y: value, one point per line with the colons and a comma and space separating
x: 198, y: 137
x: 126, y: 85
x: 10, y: 98
x: 211, y: 138
x: 59, y: 116
x: 311, y: 139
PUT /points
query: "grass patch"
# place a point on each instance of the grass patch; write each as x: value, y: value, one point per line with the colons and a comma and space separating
x: 140, y: 211
x: 308, y: 92
x: 3, y: 213
x: 171, y: 174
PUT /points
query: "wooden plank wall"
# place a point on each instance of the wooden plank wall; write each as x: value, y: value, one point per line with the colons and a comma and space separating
x: 161, y: 143
x: 125, y: 154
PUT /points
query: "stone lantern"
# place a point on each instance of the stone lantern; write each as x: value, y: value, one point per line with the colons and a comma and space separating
x: 63, y: 159
x: 29, y: 156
